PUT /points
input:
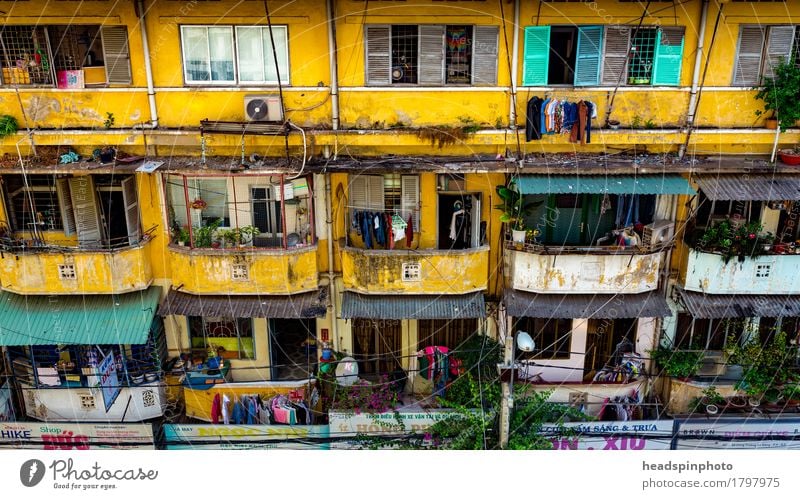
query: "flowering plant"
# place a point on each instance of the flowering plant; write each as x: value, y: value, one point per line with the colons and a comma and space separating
x: 364, y: 396
x: 199, y: 204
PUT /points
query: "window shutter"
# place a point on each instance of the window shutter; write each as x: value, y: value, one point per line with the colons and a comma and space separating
x: 484, y: 55
x: 358, y: 192
x: 131, y: 201
x: 779, y: 45
x: 409, y: 198
x: 116, y: 55
x: 748, y: 59
x: 668, y: 56
x: 431, y: 55
x: 537, y: 55
x: 615, y: 55
x: 87, y: 214
x: 587, y: 62
x: 378, y: 55
x: 375, y: 191
x: 65, y: 203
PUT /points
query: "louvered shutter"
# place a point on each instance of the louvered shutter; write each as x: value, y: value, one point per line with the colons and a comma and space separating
x: 779, y: 45
x: 131, y: 201
x: 116, y: 54
x: 87, y: 214
x: 65, y: 203
x: 358, y: 192
x: 378, y: 55
x: 431, y: 55
x: 587, y: 61
x: 748, y: 59
x: 668, y: 56
x: 409, y: 198
x: 375, y: 191
x: 615, y: 55
x: 484, y: 55
x: 537, y: 55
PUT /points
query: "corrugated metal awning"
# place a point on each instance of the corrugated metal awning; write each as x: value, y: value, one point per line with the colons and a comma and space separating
x: 77, y: 319
x: 359, y: 306
x: 750, y: 187
x: 572, y: 306
x: 706, y: 306
x: 298, y: 306
x: 604, y: 184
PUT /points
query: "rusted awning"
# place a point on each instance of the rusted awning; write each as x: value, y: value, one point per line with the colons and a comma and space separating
x: 707, y: 306
x: 575, y: 306
x: 398, y: 307
x: 750, y: 187
x: 297, y: 306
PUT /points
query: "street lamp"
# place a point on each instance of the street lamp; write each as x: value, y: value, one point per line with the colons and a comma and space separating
x: 524, y: 342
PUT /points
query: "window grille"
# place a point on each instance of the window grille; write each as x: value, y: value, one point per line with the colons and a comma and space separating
x: 25, y: 56
x: 405, y: 47
x: 642, y: 57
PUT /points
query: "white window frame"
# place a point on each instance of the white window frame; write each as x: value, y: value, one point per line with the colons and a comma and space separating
x: 237, y: 81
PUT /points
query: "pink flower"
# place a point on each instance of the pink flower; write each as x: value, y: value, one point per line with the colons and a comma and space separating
x: 752, y: 236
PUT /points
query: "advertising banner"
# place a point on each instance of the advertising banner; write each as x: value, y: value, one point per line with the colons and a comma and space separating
x: 74, y: 436
x: 611, y: 435
x: 210, y: 436
x: 739, y: 433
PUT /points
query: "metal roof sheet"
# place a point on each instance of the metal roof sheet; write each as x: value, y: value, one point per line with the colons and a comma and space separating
x: 604, y: 184
x: 468, y: 306
x: 707, y: 306
x: 297, y: 306
x: 77, y: 319
x: 750, y: 187
x: 575, y: 306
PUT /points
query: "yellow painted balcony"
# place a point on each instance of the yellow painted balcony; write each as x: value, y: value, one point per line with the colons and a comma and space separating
x: 422, y: 271
x: 242, y: 271
x: 68, y: 270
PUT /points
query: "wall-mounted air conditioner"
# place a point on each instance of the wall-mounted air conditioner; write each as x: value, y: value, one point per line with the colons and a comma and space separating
x: 263, y: 108
x: 658, y: 233
x: 713, y: 364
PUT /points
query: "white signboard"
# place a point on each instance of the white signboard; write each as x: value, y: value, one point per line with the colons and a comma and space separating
x: 70, y: 436
x: 739, y: 434
x: 610, y: 435
x: 210, y: 436
x: 109, y: 381
x: 346, y: 424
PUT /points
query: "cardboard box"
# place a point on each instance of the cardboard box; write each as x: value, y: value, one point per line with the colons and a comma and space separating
x: 70, y: 79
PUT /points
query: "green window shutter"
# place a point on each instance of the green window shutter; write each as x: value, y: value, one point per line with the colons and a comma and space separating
x: 668, y: 57
x: 587, y: 63
x: 537, y: 55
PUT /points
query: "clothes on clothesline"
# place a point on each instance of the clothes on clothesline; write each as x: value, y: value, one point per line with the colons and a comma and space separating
x: 291, y: 409
x: 380, y: 228
x: 551, y: 116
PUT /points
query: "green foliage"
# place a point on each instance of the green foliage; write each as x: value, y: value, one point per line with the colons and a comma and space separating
x: 780, y: 94
x: 204, y: 236
x: 8, y: 125
x: 476, y: 386
x: 765, y: 366
x: 240, y: 235
x: 109, y: 121
x: 678, y: 363
x: 745, y: 240
x: 650, y: 124
x: 515, y: 208
x: 183, y: 235
x: 636, y: 121
x: 364, y: 396
x: 468, y: 125
x: 532, y: 410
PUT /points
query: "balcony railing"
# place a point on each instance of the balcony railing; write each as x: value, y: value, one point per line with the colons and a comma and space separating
x: 764, y: 274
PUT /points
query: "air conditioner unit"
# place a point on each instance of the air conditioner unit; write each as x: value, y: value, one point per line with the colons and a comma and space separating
x: 263, y: 108
x: 713, y: 364
x: 658, y: 233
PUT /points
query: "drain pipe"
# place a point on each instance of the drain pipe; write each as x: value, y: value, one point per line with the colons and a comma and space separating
x: 148, y: 70
x: 332, y: 55
x: 331, y: 273
x: 693, y: 97
x: 512, y: 107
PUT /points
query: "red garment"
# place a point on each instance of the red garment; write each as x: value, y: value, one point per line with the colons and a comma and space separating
x: 410, y: 231
x: 389, y: 232
x: 216, y: 409
x: 578, y: 131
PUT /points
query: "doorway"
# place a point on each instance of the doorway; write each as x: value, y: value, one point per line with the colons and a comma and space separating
x: 377, y: 346
x: 112, y: 207
x: 459, y: 224
x: 606, y: 341
x: 449, y: 333
x: 293, y: 349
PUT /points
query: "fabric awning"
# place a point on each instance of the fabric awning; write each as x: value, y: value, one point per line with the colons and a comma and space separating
x: 298, y: 306
x: 604, y: 184
x: 572, y: 306
x: 77, y: 319
x: 706, y: 306
x: 468, y: 306
x: 750, y: 187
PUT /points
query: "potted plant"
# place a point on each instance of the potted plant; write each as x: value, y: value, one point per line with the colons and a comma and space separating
x: 681, y: 364
x: 711, y: 402
x: 204, y: 236
x: 766, y: 367
x: 183, y: 236
x: 515, y: 209
x: 8, y: 125
x: 741, y: 241
x: 790, y: 156
x: 613, y: 124
x: 779, y: 94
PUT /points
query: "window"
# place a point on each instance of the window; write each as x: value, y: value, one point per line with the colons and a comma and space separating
x: 553, y: 337
x: 706, y: 334
x: 391, y: 193
x: 71, y: 56
x: 607, y: 55
x: 42, y: 192
x: 234, y: 55
x: 232, y: 338
x: 266, y: 211
x: 445, y: 332
x: 431, y: 55
x: 760, y: 48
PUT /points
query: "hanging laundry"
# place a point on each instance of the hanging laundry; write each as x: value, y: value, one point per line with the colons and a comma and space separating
x: 533, y: 122
x: 389, y: 233
x: 410, y: 231
x: 215, y: 409
x: 226, y: 416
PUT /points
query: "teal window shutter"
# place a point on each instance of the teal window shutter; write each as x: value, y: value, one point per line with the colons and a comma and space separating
x: 668, y: 57
x: 587, y: 62
x: 537, y: 55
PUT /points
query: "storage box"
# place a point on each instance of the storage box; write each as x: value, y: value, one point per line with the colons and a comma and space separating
x: 94, y: 75
x: 288, y: 191
x: 300, y: 187
x: 16, y: 76
x: 70, y: 78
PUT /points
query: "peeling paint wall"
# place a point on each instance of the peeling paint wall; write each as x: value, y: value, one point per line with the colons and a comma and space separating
x: 767, y: 275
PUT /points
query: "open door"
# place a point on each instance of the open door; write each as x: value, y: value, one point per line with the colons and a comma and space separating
x: 86, y: 211
x: 131, y: 202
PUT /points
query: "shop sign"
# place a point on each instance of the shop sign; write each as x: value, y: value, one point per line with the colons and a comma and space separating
x: 109, y: 381
x: 610, y: 435
x: 70, y: 436
x: 345, y: 424
x: 210, y: 436
x: 739, y: 434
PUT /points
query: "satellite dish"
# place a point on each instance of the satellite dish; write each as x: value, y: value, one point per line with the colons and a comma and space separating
x: 347, y: 371
x: 525, y: 342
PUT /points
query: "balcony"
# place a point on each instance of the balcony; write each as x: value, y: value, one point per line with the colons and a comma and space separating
x: 589, y: 270
x: 415, y: 272
x: 67, y: 270
x: 242, y: 271
x: 775, y: 274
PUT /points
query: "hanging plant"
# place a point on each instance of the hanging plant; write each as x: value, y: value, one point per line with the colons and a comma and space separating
x: 199, y: 204
x: 8, y: 125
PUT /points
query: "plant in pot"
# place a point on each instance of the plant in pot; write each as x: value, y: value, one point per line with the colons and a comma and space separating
x: 204, y: 236
x: 736, y: 241
x: 681, y: 364
x: 766, y: 367
x: 711, y: 402
x: 790, y: 156
x: 780, y: 92
x: 183, y: 236
x: 8, y: 125
x: 515, y: 209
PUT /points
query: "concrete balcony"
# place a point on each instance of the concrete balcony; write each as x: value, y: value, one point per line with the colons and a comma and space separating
x: 244, y: 271
x: 68, y: 270
x: 554, y: 270
x: 424, y: 271
x: 772, y: 274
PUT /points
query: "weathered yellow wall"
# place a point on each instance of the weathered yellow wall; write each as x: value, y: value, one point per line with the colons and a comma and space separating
x: 198, y: 402
x: 208, y: 271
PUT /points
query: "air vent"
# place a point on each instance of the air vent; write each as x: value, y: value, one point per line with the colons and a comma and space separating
x: 148, y: 398
x: 412, y: 272
x: 763, y: 270
x: 87, y: 402
x: 67, y: 272
x: 240, y: 272
x: 263, y: 108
